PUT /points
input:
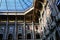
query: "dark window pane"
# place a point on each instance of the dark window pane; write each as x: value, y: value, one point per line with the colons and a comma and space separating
x: 58, y: 5
x: 1, y: 36
x: 19, y: 36
x: 10, y: 37
x: 29, y: 36
x: 37, y: 36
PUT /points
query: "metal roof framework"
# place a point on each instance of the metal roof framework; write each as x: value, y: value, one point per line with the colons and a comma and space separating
x: 16, y: 6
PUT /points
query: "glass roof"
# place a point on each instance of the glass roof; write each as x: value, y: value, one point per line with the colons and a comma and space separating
x: 15, y: 5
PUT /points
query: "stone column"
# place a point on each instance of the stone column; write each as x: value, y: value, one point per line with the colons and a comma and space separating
x: 6, y: 30
x: 33, y: 30
x: 24, y: 28
x: 15, y: 36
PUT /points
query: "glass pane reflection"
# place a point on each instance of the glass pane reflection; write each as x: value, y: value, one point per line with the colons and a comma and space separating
x: 15, y: 5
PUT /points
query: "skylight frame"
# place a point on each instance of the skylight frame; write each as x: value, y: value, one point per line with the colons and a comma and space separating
x: 24, y: 11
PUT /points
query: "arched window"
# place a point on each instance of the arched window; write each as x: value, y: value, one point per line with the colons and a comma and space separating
x: 37, y: 36
x: 58, y: 5
x: 57, y: 36
x: 51, y: 38
x: 42, y: 1
x: 1, y: 36
x: 28, y: 27
x: 28, y: 36
x: 39, y: 6
x: 36, y: 27
x: 19, y: 36
x: 10, y: 37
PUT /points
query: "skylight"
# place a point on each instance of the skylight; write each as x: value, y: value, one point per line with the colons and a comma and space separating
x: 15, y: 5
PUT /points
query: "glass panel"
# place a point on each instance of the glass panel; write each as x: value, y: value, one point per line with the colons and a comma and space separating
x: 15, y: 5
x: 2, y: 5
x: 11, y: 28
x: 11, y: 4
x: 20, y: 27
x: 2, y: 27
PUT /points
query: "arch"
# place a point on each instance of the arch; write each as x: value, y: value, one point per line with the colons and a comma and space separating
x: 57, y: 35
x: 29, y: 36
x: 1, y: 36
x: 43, y: 1
x: 39, y: 6
x: 51, y: 38
x: 37, y: 36
x: 38, y: 13
x: 19, y: 36
x: 10, y: 37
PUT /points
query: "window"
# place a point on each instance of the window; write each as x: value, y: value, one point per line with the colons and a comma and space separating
x: 58, y: 5
x: 11, y: 18
x: 43, y: 14
x: 2, y: 27
x: 51, y: 38
x: 38, y: 13
x: 37, y: 36
x: 39, y: 6
x: 28, y: 28
x: 57, y: 36
x: 20, y: 28
x: 36, y: 27
x: 19, y: 36
x: 20, y: 17
x: 28, y: 36
x: 11, y: 28
x: 10, y: 37
x: 41, y: 28
x: 1, y: 36
x: 3, y: 18
x: 42, y: 1
x: 44, y: 29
